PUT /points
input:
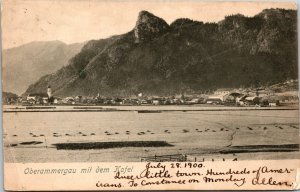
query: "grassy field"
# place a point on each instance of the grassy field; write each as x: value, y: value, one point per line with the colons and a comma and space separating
x: 255, y: 134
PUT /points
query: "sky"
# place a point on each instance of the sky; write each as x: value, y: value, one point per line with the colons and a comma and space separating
x: 73, y: 21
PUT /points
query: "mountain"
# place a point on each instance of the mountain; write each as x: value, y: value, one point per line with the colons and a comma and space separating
x: 186, y: 56
x: 25, y: 64
x: 7, y: 97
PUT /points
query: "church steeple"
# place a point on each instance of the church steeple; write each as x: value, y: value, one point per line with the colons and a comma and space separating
x: 49, y: 92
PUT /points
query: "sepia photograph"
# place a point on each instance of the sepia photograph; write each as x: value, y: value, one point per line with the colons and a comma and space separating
x: 149, y: 81
x: 118, y: 95
x: 140, y: 95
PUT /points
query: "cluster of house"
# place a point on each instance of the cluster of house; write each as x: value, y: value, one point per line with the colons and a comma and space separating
x: 252, y: 97
x: 223, y: 96
x: 40, y: 98
x: 44, y: 99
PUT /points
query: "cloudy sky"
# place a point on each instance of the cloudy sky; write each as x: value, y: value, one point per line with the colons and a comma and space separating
x: 73, y: 21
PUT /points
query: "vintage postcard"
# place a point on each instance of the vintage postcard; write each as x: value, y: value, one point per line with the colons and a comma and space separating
x: 150, y: 95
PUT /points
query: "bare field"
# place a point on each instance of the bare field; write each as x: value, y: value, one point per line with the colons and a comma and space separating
x: 198, y: 134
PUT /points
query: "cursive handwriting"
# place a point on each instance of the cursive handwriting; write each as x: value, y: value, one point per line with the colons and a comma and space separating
x: 237, y: 181
x: 105, y: 185
x: 260, y: 180
x: 229, y: 172
x: 160, y: 174
x: 151, y: 171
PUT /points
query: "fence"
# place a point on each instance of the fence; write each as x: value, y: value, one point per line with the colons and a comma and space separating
x: 165, y: 158
x: 180, y: 158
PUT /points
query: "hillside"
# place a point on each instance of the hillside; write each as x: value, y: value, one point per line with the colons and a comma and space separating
x: 185, y: 56
x: 25, y: 64
x: 7, y: 97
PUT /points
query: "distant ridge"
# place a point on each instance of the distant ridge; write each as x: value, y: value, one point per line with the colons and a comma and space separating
x: 25, y: 64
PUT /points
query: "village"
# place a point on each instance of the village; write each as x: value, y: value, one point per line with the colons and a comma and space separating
x: 259, y: 97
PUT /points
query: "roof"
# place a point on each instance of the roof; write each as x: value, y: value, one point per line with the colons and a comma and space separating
x: 236, y: 94
x: 215, y: 97
x: 224, y: 89
x: 38, y: 95
x: 251, y: 98
x: 68, y: 98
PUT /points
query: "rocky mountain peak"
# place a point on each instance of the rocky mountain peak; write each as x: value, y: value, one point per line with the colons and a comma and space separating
x: 184, y: 22
x: 148, y: 26
x: 187, y: 57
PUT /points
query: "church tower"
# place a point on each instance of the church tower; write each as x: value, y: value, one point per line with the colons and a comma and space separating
x: 49, y: 92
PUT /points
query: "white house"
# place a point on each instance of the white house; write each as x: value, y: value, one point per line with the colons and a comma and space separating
x: 220, y: 94
x: 223, y: 91
x: 37, y: 97
x: 69, y: 100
